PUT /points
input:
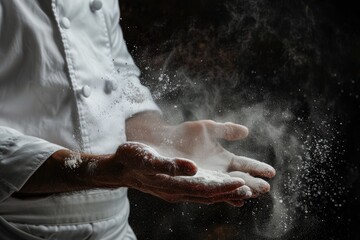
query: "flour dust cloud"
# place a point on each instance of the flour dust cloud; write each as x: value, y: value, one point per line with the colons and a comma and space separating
x: 262, y: 64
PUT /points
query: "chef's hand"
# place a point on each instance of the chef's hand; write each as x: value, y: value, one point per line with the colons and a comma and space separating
x: 198, y: 141
x: 134, y: 165
x: 138, y: 166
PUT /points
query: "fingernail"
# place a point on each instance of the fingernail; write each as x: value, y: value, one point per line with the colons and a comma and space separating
x: 240, y: 205
x: 190, y: 171
x: 187, y: 168
x: 271, y: 172
x: 241, y: 180
x: 245, y: 191
x: 248, y: 194
x: 264, y: 187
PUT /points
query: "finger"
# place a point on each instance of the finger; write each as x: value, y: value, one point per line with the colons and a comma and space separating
x: 251, y: 166
x: 255, y: 194
x: 228, y: 131
x: 207, y: 201
x: 234, y: 198
x: 169, y: 166
x: 151, y: 161
x: 240, y: 193
x: 170, y: 196
x: 239, y: 203
x: 257, y: 184
x: 195, y: 186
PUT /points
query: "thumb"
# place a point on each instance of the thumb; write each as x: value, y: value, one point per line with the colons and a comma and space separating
x: 227, y: 131
x: 148, y: 159
x: 172, y: 166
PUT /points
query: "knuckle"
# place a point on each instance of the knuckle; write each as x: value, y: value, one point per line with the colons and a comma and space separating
x: 209, y: 122
x: 166, y: 167
x: 172, y: 168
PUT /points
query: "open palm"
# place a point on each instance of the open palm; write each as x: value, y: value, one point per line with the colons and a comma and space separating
x: 198, y: 141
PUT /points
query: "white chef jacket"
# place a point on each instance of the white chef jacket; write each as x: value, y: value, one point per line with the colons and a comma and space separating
x: 66, y: 81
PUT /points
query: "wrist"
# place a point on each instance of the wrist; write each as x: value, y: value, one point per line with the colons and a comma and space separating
x: 105, y: 171
x: 80, y: 170
x: 146, y: 127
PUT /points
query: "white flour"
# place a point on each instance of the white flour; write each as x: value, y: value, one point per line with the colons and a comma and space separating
x: 209, y: 177
x: 73, y: 161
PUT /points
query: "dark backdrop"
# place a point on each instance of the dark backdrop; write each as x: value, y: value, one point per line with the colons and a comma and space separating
x: 289, y: 70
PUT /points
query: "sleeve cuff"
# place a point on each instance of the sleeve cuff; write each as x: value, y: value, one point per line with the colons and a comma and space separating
x: 20, y: 157
x: 144, y: 106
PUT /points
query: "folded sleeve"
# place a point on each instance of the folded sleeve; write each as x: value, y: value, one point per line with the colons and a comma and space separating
x: 20, y: 157
x: 137, y: 97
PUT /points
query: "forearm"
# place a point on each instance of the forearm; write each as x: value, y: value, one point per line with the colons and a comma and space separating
x: 66, y: 171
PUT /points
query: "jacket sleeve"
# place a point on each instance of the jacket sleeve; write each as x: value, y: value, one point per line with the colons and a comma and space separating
x: 138, y: 97
x: 20, y: 157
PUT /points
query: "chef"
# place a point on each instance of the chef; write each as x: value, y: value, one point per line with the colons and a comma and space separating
x: 72, y: 115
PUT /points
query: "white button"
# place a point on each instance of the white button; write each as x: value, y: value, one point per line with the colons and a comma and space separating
x: 95, y: 5
x: 110, y: 86
x: 65, y: 22
x: 114, y: 86
x: 86, y: 91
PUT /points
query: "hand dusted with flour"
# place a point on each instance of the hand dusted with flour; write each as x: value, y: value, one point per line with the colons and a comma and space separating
x: 138, y: 166
x: 198, y: 141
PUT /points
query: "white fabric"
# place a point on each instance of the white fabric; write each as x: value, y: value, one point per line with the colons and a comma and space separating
x: 105, y: 230
x: 56, y: 60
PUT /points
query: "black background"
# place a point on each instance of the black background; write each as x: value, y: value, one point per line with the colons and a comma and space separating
x: 301, y: 55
